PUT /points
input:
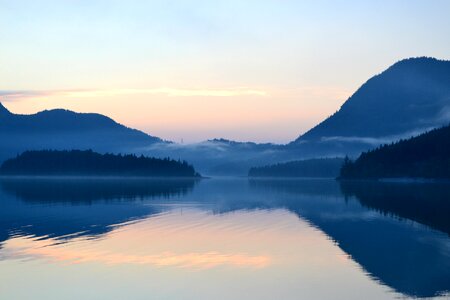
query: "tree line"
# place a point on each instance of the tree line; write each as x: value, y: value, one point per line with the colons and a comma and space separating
x: 88, y: 162
x: 424, y: 156
x: 320, y: 167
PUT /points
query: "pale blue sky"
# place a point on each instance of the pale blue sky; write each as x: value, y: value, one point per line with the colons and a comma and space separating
x: 292, y: 63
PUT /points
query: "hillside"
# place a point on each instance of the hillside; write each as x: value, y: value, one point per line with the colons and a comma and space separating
x: 424, y: 156
x: 322, y: 167
x: 90, y: 163
x: 63, y: 129
x: 408, y: 98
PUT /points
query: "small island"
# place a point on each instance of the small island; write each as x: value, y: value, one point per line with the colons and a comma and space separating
x: 90, y: 163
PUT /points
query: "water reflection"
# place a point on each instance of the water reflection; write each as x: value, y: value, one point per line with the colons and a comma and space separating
x: 426, y: 203
x: 314, y: 239
x: 67, y: 208
x: 410, y: 258
x: 88, y: 190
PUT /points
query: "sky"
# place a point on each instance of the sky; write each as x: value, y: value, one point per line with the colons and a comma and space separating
x: 263, y: 71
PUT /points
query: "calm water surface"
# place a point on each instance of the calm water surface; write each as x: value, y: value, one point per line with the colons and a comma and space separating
x: 223, y: 239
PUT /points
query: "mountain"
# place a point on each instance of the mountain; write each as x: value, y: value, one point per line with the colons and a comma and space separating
x: 319, y: 167
x: 4, y: 111
x: 410, y: 97
x: 424, y: 156
x: 63, y: 129
x: 76, y: 162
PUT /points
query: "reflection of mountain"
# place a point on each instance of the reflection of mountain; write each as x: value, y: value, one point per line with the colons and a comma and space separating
x: 56, y: 208
x: 411, y: 259
x: 426, y: 203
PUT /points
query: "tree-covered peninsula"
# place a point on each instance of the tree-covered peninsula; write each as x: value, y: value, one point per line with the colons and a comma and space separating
x: 77, y: 162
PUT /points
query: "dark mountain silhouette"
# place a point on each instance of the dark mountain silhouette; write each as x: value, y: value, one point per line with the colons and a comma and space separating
x: 410, y: 97
x: 320, y: 167
x: 4, y: 111
x: 424, y: 156
x: 63, y: 129
x: 87, y: 162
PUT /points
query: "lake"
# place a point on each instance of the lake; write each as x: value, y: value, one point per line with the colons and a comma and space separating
x: 224, y: 238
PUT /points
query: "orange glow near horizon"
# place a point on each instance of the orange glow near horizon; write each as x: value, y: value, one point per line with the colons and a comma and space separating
x: 243, y: 114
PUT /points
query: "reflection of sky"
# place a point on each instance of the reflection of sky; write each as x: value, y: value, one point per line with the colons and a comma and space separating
x: 267, y: 252
x: 256, y: 70
x: 229, y: 237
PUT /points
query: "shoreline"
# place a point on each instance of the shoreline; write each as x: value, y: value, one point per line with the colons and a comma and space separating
x: 112, y: 177
x: 397, y: 180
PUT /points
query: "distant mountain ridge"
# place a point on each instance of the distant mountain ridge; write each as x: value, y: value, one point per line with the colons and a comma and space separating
x: 64, y: 129
x: 410, y: 97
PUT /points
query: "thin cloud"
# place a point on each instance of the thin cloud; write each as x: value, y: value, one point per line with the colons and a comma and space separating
x: 374, y: 141
x: 19, y: 94
x: 169, y: 92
